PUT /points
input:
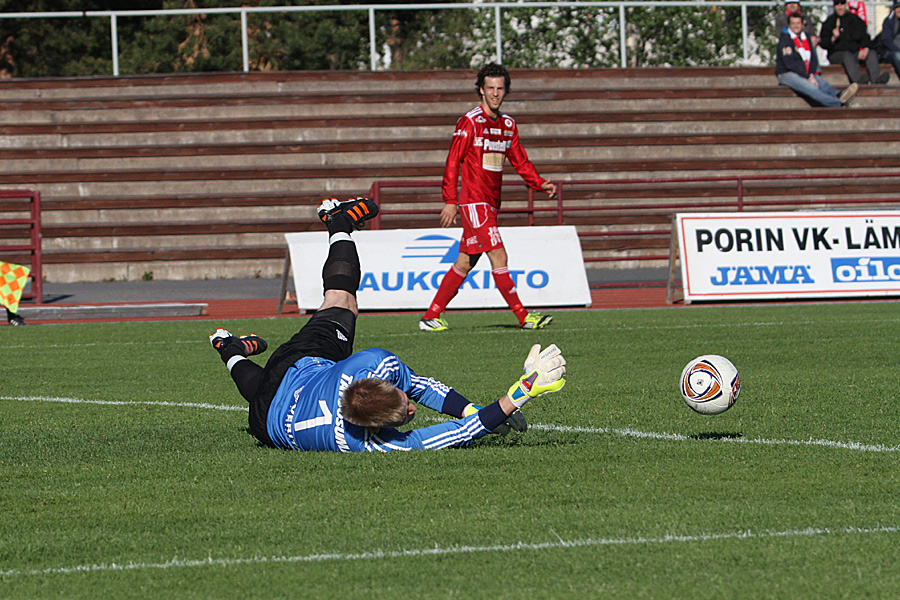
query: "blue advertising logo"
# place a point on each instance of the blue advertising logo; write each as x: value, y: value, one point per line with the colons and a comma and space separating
x: 446, y: 249
x: 433, y: 246
x: 866, y: 269
x: 762, y: 275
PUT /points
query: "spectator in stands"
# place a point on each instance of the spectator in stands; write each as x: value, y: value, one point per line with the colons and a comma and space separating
x: 781, y: 22
x: 797, y: 67
x: 845, y: 37
x: 890, y: 38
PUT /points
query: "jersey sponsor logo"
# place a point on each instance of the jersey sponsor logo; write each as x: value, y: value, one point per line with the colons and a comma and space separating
x: 289, y: 419
x: 493, y: 161
x: 339, y: 434
x: 478, y: 142
x: 508, y: 122
x: 480, y: 119
x: 495, y: 131
x: 461, y: 133
x: 340, y: 335
x: 496, y: 146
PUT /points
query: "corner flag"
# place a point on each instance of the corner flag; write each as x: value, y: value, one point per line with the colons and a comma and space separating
x: 12, y: 283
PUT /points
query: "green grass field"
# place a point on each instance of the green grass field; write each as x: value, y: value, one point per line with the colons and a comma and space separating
x: 126, y: 470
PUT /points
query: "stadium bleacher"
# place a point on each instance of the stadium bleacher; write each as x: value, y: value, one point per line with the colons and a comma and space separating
x: 199, y: 175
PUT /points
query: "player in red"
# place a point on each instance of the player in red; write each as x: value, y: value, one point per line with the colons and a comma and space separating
x: 483, y: 140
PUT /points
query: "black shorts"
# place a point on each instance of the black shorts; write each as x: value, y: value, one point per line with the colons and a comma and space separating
x: 328, y: 334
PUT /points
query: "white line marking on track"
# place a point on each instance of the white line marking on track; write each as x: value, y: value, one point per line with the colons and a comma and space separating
x: 439, y: 551
x: 626, y: 432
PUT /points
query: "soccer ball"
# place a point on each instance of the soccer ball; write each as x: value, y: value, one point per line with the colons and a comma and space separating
x: 710, y: 384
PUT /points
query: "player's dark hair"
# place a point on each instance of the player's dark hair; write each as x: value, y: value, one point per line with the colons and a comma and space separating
x: 491, y: 70
x: 795, y: 15
x: 373, y: 403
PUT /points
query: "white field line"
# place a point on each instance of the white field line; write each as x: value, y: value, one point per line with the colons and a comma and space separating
x: 123, y: 403
x: 621, y: 432
x: 454, y: 550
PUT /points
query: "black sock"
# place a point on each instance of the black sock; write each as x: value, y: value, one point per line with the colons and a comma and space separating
x: 246, y: 375
x: 341, y: 270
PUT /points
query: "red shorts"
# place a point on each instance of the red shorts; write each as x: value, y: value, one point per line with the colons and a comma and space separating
x: 480, y: 233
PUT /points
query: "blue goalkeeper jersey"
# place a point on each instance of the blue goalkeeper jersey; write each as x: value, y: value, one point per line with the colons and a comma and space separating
x: 306, y: 412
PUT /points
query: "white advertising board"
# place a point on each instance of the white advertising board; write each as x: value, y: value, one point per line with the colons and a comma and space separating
x: 402, y: 268
x: 736, y: 256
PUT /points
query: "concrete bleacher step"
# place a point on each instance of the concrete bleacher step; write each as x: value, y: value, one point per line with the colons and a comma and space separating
x: 314, y: 105
x: 193, y: 84
x: 192, y: 176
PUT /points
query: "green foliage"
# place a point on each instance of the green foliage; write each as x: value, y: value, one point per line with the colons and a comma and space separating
x: 59, y: 46
x: 428, y: 39
x: 181, y: 43
x: 405, y: 39
x: 683, y: 37
x: 617, y: 489
x: 308, y: 40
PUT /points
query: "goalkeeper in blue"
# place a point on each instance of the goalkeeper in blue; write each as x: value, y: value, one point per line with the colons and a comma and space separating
x: 314, y: 393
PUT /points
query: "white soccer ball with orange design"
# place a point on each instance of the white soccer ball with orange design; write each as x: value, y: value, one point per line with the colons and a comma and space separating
x: 710, y: 384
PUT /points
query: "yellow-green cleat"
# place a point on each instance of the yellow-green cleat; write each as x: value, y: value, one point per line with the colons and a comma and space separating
x: 437, y: 324
x: 536, y: 320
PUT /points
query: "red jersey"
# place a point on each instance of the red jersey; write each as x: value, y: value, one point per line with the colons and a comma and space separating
x: 481, y: 144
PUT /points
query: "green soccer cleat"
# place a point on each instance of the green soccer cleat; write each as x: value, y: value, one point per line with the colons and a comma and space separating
x: 536, y: 320
x: 436, y: 324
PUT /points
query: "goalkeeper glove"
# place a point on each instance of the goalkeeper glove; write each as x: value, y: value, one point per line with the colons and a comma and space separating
x: 516, y: 421
x: 544, y: 374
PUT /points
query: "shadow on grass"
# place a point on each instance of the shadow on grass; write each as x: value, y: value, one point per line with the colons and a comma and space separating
x: 717, y: 435
x: 526, y: 441
x: 493, y: 441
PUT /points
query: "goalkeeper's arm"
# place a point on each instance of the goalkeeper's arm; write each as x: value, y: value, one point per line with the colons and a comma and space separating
x: 544, y: 373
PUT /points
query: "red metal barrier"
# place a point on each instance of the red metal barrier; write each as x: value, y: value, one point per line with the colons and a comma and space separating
x: 30, y: 204
x: 733, y: 193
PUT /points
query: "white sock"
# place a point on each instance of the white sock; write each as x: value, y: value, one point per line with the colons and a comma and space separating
x: 234, y: 360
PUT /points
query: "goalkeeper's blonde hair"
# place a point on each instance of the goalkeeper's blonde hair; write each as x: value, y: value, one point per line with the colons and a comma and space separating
x: 374, y: 403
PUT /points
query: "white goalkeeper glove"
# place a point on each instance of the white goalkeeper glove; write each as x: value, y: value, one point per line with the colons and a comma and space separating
x: 515, y: 421
x: 544, y: 374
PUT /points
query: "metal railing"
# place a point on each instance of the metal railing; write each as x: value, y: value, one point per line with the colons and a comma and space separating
x: 735, y: 193
x: 18, y: 225
x: 371, y: 9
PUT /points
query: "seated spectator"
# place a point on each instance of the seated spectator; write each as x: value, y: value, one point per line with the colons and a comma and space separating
x: 781, y: 21
x: 845, y: 37
x: 890, y: 38
x: 797, y: 67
